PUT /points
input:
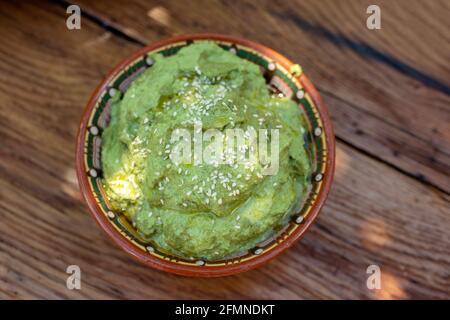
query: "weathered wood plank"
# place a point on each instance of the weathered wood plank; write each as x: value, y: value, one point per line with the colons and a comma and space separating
x: 374, y: 214
x: 352, y: 84
x: 413, y: 32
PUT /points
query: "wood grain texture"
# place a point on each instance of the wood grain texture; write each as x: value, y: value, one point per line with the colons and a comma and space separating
x: 360, y: 90
x: 414, y: 32
x: 375, y: 214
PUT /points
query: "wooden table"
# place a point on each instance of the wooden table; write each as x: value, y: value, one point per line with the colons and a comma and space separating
x: 388, y: 92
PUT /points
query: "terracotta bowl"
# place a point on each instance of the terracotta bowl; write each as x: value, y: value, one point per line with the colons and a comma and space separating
x: 283, y: 77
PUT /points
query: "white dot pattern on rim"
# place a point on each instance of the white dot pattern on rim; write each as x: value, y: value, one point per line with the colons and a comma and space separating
x: 318, y: 131
x: 93, y: 130
x: 112, y: 92
x: 300, y: 94
x: 299, y: 219
x: 272, y: 66
x: 200, y: 262
x: 258, y: 251
x: 149, y: 61
x: 93, y: 173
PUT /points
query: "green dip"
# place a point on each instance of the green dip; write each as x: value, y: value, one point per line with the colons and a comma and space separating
x: 194, y: 211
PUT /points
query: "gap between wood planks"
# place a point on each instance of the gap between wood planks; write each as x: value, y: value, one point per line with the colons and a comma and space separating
x: 367, y: 51
x: 362, y: 49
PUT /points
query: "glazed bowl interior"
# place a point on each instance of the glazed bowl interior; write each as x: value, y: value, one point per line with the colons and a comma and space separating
x: 283, y: 78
